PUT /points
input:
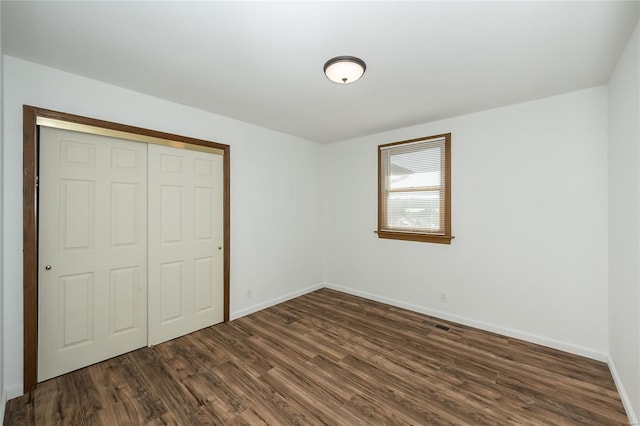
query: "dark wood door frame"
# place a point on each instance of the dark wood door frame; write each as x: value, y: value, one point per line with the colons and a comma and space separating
x: 31, y: 115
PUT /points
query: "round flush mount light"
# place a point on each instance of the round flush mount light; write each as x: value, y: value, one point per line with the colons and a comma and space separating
x: 344, y: 69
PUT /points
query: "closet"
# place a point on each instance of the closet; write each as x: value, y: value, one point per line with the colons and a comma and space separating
x: 130, y: 246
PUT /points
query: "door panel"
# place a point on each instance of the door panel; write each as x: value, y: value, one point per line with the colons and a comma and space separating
x: 76, y: 310
x: 185, y: 242
x: 124, y: 301
x: 171, y: 199
x: 204, y: 276
x: 93, y: 234
x: 77, y: 203
x: 125, y: 213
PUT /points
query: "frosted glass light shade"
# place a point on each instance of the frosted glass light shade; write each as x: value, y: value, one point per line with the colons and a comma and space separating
x: 344, y: 69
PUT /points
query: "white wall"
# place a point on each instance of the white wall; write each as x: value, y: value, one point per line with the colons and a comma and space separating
x: 275, y: 190
x: 529, y: 215
x: 624, y: 224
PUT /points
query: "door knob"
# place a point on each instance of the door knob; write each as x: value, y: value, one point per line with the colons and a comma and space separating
x: 47, y: 267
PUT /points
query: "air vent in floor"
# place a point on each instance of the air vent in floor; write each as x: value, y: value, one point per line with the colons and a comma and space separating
x: 436, y: 325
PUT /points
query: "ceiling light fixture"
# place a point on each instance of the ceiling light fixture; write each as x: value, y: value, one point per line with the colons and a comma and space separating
x: 344, y: 69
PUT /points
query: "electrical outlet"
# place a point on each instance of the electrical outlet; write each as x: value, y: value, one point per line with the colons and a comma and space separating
x: 443, y: 297
x: 249, y: 294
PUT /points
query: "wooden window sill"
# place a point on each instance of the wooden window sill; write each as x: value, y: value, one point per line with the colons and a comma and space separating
x: 415, y: 236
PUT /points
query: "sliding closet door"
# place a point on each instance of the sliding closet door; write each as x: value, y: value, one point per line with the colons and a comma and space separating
x: 92, y: 259
x: 185, y: 241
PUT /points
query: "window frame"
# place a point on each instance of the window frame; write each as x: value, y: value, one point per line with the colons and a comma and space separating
x: 385, y: 231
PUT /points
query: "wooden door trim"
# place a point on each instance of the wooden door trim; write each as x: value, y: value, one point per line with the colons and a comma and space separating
x: 30, y: 116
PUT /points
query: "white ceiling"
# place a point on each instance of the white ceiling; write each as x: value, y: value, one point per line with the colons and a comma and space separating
x: 261, y: 62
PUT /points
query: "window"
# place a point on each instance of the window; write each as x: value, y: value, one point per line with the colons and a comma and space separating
x: 414, y: 190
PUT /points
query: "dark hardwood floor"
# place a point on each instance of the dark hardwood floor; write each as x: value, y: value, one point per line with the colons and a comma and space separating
x: 331, y: 358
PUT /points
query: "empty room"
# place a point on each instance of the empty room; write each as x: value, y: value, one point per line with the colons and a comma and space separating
x: 332, y: 212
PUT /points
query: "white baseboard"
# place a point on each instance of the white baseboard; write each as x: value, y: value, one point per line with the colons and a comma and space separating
x: 272, y: 302
x: 3, y: 404
x: 14, y: 391
x: 633, y: 419
x: 533, y: 338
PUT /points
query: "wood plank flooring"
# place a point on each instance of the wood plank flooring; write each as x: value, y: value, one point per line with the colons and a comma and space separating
x: 331, y: 358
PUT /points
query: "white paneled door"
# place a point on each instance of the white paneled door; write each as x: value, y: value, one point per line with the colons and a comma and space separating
x: 185, y: 242
x: 130, y: 249
x: 92, y: 259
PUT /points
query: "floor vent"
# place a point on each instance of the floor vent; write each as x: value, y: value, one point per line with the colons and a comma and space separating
x: 433, y: 324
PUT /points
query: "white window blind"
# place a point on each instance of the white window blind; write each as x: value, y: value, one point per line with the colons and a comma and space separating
x: 413, y: 186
